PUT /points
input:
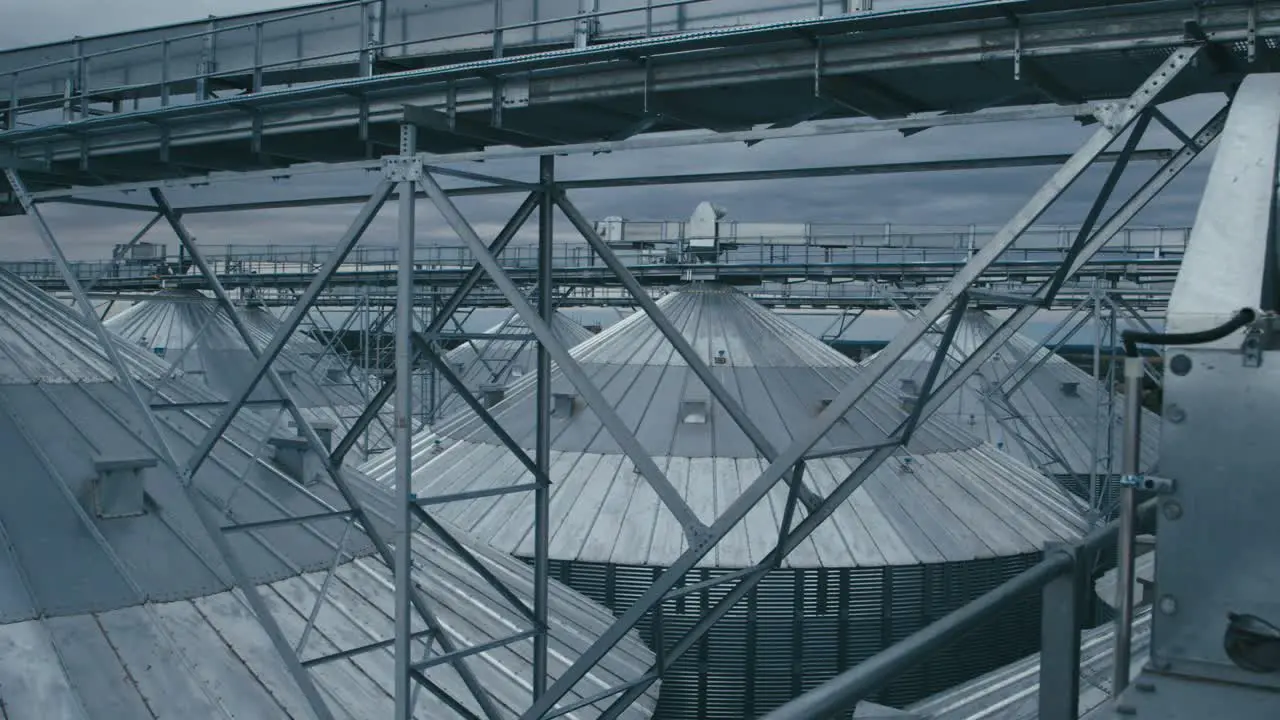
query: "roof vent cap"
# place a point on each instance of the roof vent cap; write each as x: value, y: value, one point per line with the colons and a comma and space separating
x: 337, y: 375
x: 906, y: 465
x: 492, y: 394
x: 1070, y: 389
x: 294, y: 456
x: 562, y: 404
x: 720, y: 358
x: 287, y: 377
x: 908, y: 385
x: 118, y: 487
x: 694, y: 412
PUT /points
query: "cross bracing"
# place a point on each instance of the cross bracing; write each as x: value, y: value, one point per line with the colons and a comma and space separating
x: 1173, y: 63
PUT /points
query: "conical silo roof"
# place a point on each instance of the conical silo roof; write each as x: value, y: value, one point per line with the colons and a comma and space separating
x: 1055, y: 415
x: 936, y: 526
x: 115, y: 604
x: 490, y: 364
x: 950, y: 497
x: 189, y: 328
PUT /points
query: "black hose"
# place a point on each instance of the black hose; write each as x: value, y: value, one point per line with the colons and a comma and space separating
x: 1133, y: 337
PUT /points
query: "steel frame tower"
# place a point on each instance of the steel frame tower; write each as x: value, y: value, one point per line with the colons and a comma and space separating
x: 409, y: 172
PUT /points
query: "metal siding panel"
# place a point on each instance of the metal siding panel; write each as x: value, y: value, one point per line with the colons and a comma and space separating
x: 163, y: 673
x: 35, y: 686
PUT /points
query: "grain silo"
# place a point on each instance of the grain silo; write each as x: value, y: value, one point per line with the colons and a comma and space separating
x: 1040, y: 409
x: 936, y: 526
x: 189, y: 328
x: 114, y: 602
x: 488, y: 366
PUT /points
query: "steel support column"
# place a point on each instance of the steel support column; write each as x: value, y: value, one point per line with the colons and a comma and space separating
x: 1115, y: 125
x: 446, y: 311
x: 696, y: 363
x: 404, y: 437
x: 694, y: 529
x: 542, y: 447
x: 1061, y: 617
x: 198, y: 504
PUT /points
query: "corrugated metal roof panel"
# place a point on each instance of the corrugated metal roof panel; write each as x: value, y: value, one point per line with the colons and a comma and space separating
x: 1056, y: 416
x: 130, y: 616
x: 952, y: 498
x: 1013, y: 691
x: 190, y: 329
x: 487, y: 362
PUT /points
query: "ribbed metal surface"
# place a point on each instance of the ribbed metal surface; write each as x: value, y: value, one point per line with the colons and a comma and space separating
x: 190, y: 329
x: 927, y: 531
x: 488, y: 363
x: 799, y: 628
x: 1057, y: 415
x: 1013, y: 692
x: 123, y: 616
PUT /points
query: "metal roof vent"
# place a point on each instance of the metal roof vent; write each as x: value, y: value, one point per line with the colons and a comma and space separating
x: 594, y: 328
x: 491, y: 395
x: 562, y: 404
x: 694, y: 412
x: 1070, y: 389
x: 459, y: 368
x: 294, y: 456
x: 973, y: 420
x: 336, y: 375
x: 720, y: 358
x: 286, y: 376
x: 118, y: 487
x: 159, y: 351
x: 906, y: 466
x: 437, y: 446
x: 908, y: 386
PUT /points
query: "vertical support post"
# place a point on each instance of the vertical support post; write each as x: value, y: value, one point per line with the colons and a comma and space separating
x: 497, y: 29
x: 257, y: 58
x: 404, y: 432
x: 1061, y: 616
x: 542, y: 450
x: 1128, y: 522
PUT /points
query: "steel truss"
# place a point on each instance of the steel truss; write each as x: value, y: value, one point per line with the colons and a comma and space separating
x: 409, y: 173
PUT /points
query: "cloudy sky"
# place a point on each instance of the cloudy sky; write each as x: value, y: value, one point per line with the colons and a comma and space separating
x: 956, y: 198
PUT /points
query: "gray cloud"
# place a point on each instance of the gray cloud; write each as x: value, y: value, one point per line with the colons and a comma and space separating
x: 952, y: 198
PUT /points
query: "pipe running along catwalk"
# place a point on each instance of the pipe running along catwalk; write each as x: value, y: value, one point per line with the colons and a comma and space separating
x: 1110, y: 63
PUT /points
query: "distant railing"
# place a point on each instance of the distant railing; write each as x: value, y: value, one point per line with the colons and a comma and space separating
x: 344, y: 40
x: 1137, y: 245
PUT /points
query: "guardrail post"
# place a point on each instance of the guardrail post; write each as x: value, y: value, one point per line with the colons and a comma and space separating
x: 1061, y: 616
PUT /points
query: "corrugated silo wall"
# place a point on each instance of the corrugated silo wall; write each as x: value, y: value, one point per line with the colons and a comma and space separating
x: 799, y: 628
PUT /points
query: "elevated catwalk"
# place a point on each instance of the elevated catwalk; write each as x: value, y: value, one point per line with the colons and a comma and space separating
x: 333, y: 82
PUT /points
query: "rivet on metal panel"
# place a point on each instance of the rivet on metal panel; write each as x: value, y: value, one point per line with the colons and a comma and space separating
x: 1168, y: 605
x: 1172, y: 510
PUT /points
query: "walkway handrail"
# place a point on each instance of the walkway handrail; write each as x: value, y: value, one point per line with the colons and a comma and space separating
x: 844, y: 691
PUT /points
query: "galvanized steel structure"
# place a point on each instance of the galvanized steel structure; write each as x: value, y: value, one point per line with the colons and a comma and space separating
x: 356, y: 85
x: 1033, y: 404
x: 198, y: 341
x: 488, y: 366
x: 116, y: 602
x: 946, y: 520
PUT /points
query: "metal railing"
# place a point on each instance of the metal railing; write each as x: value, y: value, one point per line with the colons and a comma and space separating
x: 1061, y: 579
x: 340, y: 40
x: 762, y: 253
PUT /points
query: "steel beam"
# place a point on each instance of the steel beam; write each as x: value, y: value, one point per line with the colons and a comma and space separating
x: 263, y: 367
x: 198, y: 504
x: 474, y: 275
x: 542, y: 445
x: 1113, y: 127
x: 671, y: 498
x: 291, y: 321
x: 696, y: 363
x: 404, y: 437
